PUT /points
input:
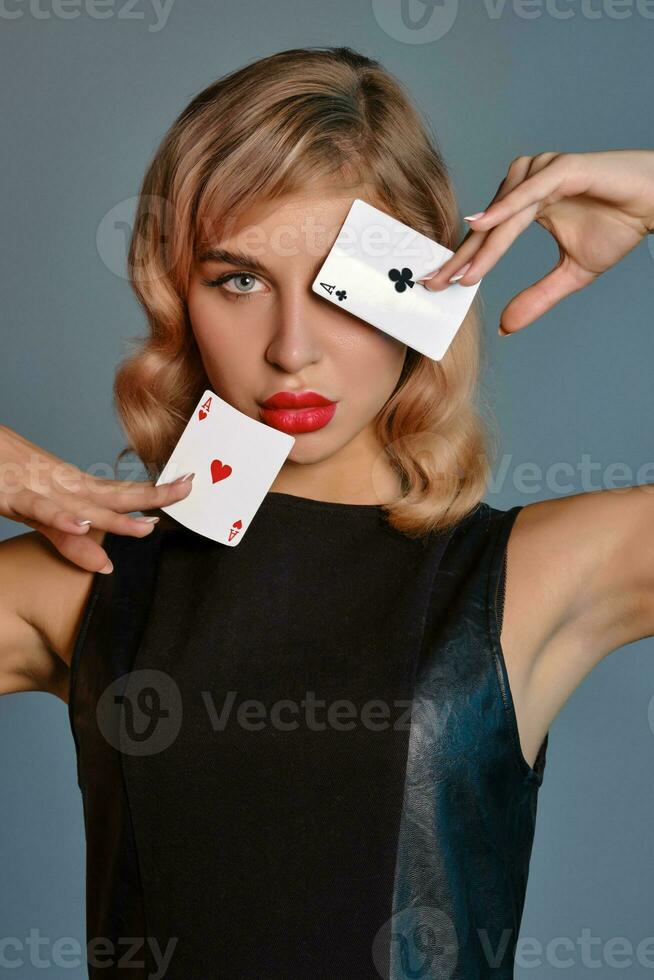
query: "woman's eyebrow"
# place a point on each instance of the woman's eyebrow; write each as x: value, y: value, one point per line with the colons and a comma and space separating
x: 215, y: 254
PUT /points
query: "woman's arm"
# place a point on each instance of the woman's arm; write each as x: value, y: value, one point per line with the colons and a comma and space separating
x: 46, y: 575
x: 591, y: 553
x: 42, y: 599
x: 580, y: 573
x: 580, y: 584
x: 584, y: 569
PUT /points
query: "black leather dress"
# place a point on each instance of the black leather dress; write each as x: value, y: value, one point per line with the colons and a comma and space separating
x: 299, y: 757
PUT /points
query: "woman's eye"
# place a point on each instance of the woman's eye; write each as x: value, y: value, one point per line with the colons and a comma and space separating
x: 243, y: 283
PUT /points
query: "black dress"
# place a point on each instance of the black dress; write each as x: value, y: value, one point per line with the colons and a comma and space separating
x: 299, y: 757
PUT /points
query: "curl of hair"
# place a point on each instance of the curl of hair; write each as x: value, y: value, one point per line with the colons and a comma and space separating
x: 269, y: 129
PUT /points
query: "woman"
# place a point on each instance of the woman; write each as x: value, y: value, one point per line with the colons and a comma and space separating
x: 398, y: 649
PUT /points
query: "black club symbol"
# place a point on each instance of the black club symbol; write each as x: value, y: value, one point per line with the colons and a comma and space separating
x: 401, y: 279
x: 341, y: 295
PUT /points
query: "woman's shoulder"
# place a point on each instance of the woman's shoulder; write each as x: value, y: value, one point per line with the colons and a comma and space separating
x: 475, y: 549
x: 482, y: 522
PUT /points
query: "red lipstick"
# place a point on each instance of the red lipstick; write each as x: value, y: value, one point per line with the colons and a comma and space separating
x: 294, y: 412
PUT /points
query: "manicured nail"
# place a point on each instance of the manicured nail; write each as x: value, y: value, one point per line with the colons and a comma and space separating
x: 502, y: 332
x: 82, y: 522
x: 461, y: 273
x: 426, y: 279
x: 183, y: 479
x: 147, y: 520
x: 473, y: 217
x: 107, y: 568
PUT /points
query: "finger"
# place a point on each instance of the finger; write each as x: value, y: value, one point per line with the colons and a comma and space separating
x: 456, y: 263
x: 106, y: 517
x: 84, y: 552
x: 545, y: 183
x: 124, y: 496
x: 496, y: 243
x: 27, y: 504
x: 64, y: 512
x: 540, y: 297
x: 74, y: 480
x: 475, y: 239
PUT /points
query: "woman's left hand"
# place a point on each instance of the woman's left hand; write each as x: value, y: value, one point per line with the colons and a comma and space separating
x: 598, y: 206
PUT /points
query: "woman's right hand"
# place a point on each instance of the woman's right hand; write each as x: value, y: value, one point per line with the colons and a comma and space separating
x: 51, y: 496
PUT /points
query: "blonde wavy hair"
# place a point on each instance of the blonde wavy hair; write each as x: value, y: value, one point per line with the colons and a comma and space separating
x: 269, y: 129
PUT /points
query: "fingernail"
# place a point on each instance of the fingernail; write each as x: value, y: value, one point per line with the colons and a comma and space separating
x: 183, y: 479
x: 425, y: 281
x: 502, y: 332
x: 461, y: 273
x: 473, y: 217
x: 147, y: 520
x: 107, y: 568
x: 82, y: 522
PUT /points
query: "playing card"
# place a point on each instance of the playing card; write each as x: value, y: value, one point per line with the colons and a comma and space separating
x: 235, y: 459
x: 371, y: 272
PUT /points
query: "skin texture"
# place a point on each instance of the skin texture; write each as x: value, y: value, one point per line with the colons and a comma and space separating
x: 262, y: 334
x: 580, y: 580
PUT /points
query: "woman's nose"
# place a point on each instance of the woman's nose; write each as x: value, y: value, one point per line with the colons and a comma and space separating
x: 296, y: 330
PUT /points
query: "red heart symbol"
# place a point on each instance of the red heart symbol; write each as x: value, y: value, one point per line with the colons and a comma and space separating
x: 203, y: 415
x: 238, y: 524
x: 219, y: 471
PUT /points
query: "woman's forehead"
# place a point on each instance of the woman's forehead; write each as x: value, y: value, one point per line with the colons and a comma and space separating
x: 308, y: 221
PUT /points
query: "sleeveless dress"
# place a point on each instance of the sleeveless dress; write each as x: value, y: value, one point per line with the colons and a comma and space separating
x: 299, y: 757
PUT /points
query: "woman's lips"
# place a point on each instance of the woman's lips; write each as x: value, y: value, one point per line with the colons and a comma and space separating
x: 294, y: 420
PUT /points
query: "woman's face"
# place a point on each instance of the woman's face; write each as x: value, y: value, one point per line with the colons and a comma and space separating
x: 261, y: 330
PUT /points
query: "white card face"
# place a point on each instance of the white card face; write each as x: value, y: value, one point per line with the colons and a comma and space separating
x: 371, y: 272
x: 235, y: 459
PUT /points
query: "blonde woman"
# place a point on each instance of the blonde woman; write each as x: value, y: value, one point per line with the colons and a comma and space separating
x: 318, y: 754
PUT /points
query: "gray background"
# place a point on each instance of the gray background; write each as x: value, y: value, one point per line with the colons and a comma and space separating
x: 85, y: 100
